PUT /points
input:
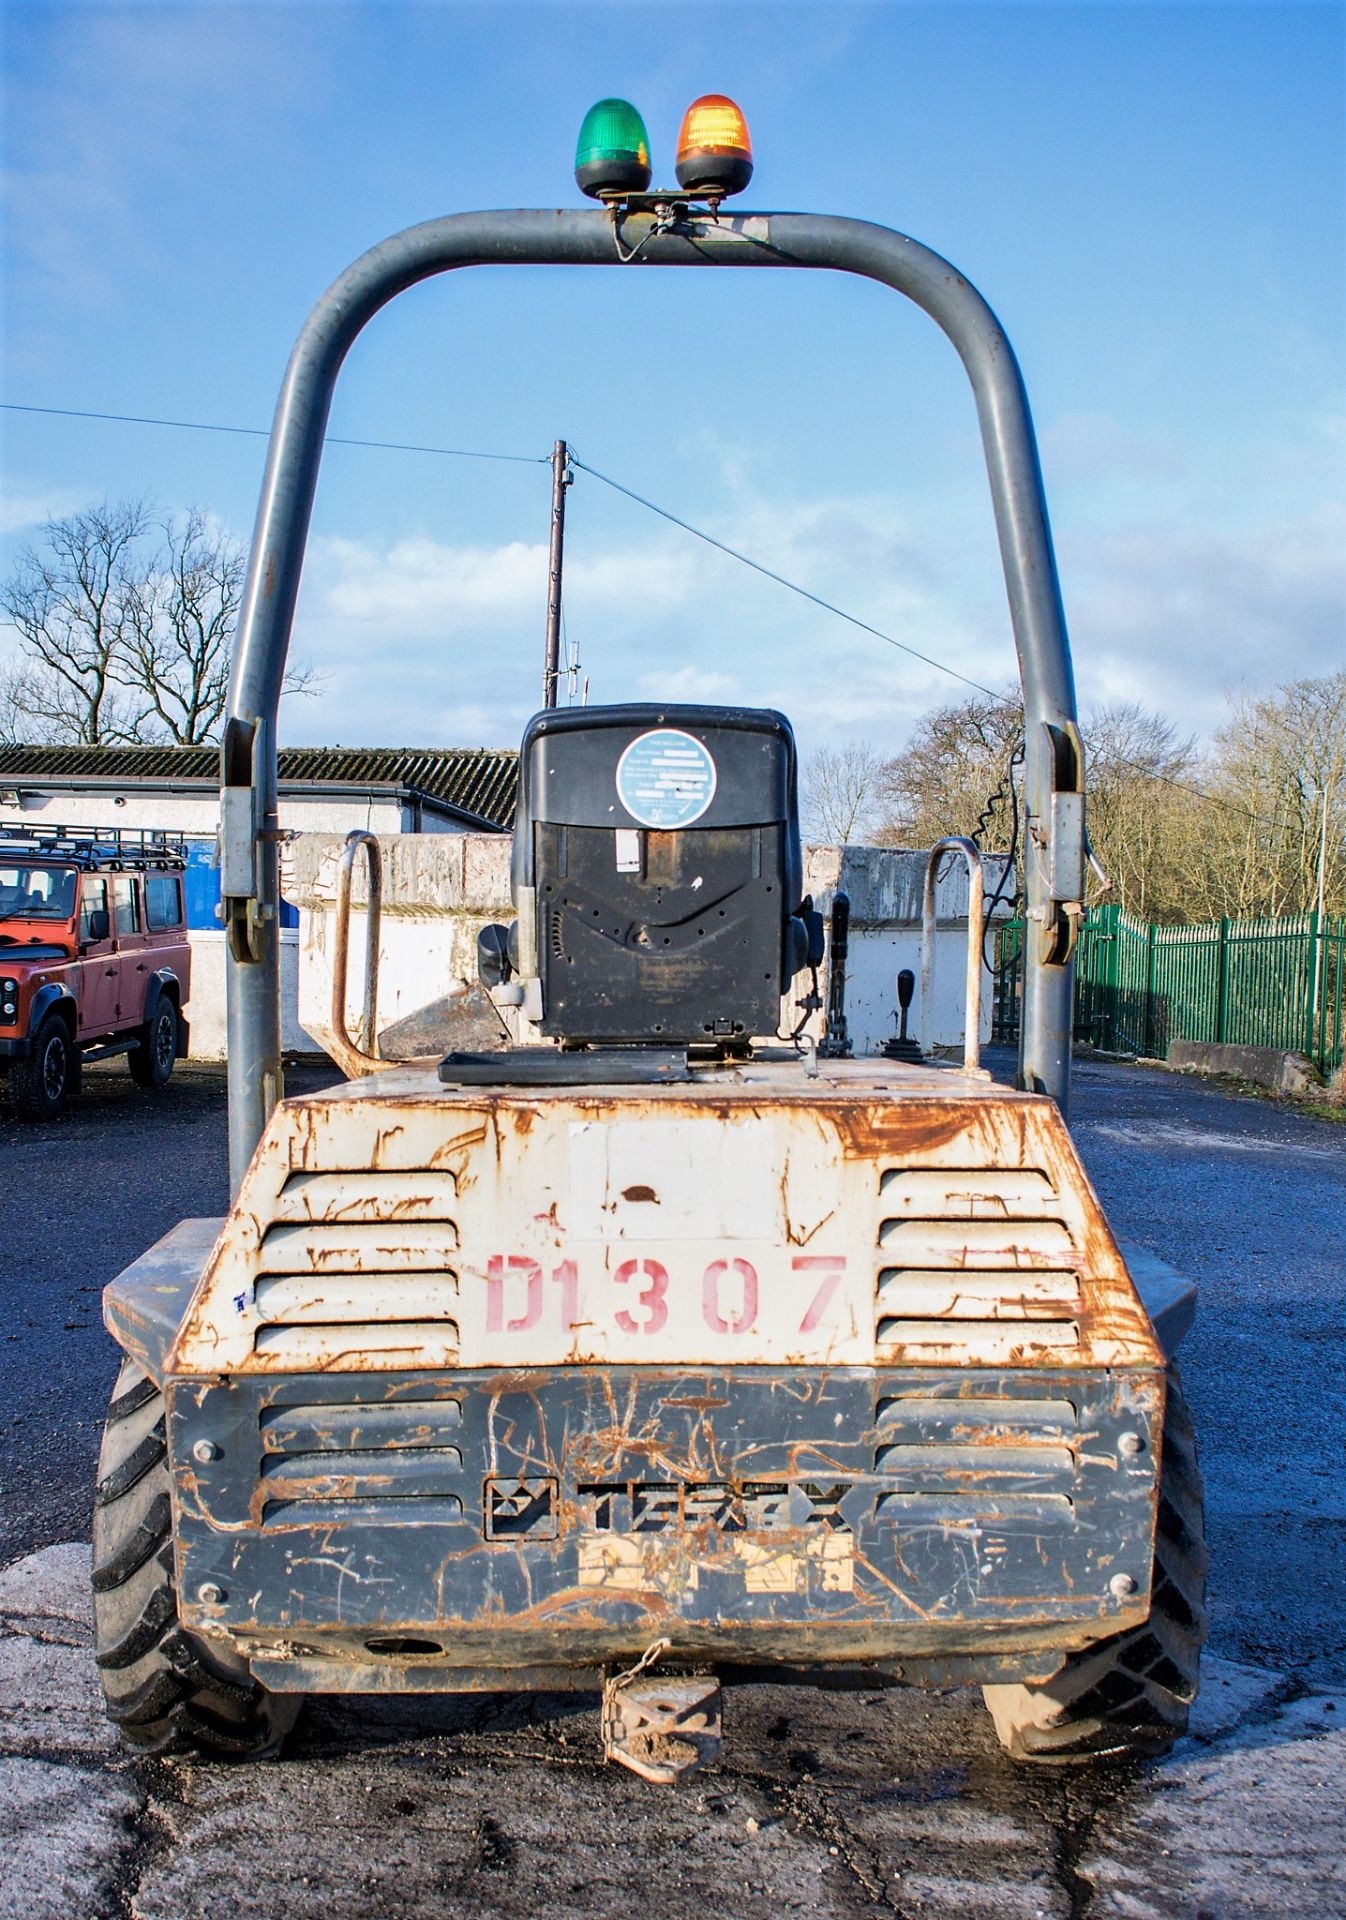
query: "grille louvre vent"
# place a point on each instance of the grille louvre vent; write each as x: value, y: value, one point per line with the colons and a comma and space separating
x: 319, y: 1428
x: 980, y: 1258
x: 990, y: 1295
x: 394, y: 1463
x: 359, y: 1270
x: 361, y: 1344
x: 974, y: 1243
x: 415, y: 1194
x: 979, y: 1193
x: 392, y: 1246
x: 977, y: 1460
x: 346, y: 1299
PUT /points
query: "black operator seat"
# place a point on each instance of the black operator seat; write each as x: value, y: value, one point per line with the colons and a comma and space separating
x: 656, y: 856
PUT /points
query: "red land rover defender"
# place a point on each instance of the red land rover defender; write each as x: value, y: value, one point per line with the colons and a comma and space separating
x: 94, y: 958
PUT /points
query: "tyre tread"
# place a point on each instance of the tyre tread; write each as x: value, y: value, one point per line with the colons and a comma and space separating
x: 165, y: 1691
x: 128, y: 1472
x: 150, y: 1534
x: 125, y: 1404
x: 27, y: 1092
x: 1129, y: 1695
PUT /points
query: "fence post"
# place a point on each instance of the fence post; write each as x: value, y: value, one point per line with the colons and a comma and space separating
x: 1222, y: 986
x: 1009, y: 969
x: 1337, y: 1014
x: 1315, y: 960
x: 1150, y: 932
x: 1113, y: 976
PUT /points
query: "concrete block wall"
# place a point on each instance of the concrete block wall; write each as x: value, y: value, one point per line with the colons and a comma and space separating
x: 439, y: 891
x: 205, y: 1009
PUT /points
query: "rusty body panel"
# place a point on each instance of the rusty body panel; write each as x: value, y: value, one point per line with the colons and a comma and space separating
x: 837, y: 1371
x: 855, y: 1517
x: 145, y: 1305
x: 870, y: 1213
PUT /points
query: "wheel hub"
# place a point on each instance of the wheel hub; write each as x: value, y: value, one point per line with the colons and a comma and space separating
x: 54, y: 1068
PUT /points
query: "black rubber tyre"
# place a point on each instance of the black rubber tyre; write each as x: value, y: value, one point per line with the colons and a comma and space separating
x: 41, y: 1086
x: 166, y: 1690
x: 151, y: 1062
x: 1129, y: 1696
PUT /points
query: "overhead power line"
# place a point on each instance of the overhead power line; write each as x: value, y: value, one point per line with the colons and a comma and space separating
x: 264, y: 433
x: 780, y: 579
x: 1137, y: 766
x: 651, y: 506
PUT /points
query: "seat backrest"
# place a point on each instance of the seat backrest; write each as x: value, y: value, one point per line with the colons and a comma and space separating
x: 657, y: 850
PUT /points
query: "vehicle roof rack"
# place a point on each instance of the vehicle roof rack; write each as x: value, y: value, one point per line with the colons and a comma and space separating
x: 97, y: 847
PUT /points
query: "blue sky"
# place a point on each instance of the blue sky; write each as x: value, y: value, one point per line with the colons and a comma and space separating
x: 1151, y: 197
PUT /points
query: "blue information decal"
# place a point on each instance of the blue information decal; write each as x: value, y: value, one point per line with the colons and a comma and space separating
x: 666, y: 779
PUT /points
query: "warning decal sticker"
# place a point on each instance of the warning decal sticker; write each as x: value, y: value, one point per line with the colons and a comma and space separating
x: 666, y: 779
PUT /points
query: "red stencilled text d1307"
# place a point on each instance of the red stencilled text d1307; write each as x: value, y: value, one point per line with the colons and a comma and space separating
x: 635, y: 1295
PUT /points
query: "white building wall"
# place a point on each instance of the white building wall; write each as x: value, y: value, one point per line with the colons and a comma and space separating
x: 885, y: 886
x: 196, y: 815
x: 207, y: 1008
x: 437, y: 894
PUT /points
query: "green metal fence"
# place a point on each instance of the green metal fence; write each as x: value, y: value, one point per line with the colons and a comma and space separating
x: 1256, y: 983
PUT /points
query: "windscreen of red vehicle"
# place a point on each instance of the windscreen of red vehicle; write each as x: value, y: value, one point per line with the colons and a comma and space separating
x: 33, y: 892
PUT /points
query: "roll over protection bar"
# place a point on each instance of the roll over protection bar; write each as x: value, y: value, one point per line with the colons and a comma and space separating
x: 359, y: 1054
x: 611, y: 237
x: 955, y: 843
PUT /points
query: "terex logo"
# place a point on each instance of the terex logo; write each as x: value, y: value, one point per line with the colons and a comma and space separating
x: 516, y: 1507
x: 758, y: 1506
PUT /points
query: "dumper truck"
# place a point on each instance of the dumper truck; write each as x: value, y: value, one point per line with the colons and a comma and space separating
x: 657, y: 1347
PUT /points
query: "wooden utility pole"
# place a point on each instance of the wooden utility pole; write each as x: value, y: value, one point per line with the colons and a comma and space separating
x: 560, y: 480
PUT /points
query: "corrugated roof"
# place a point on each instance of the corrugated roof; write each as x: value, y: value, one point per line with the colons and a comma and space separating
x: 474, y: 781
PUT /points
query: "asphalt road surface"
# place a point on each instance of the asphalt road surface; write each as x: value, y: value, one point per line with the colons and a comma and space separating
x: 836, y: 1805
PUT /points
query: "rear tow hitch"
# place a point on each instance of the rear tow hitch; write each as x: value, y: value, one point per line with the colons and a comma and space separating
x: 664, y: 1730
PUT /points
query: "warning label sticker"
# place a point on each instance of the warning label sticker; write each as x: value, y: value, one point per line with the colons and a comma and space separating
x: 666, y: 779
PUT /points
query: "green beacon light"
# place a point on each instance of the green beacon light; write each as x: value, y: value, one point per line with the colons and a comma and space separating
x: 613, y: 151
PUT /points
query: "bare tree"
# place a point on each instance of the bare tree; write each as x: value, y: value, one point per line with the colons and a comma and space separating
x: 72, y: 608
x: 1138, y: 774
x: 839, y: 797
x: 125, y: 626
x: 180, y: 619
x: 944, y: 779
x: 954, y: 776
x: 1278, y: 768
x: 1251, y: 828
x: 17, y: 723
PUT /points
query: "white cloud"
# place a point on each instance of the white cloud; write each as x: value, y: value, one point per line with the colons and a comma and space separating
x: 428, y: 587
x: 24, y: 508
x: 426, y: 640
x: 431, y: 641
x: 1172, y: 615
x: 691, y: 683
x: 422, y: 587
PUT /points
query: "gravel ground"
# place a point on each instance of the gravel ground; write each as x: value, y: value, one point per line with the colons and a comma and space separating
x: 81, y: 1200
x: 1247, y: 1198
x: 848, y: 1805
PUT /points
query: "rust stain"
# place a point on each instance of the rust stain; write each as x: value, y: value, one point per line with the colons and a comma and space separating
x: 383, y: 1141
x: 958, y: 1136
x: 907, y: 1128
